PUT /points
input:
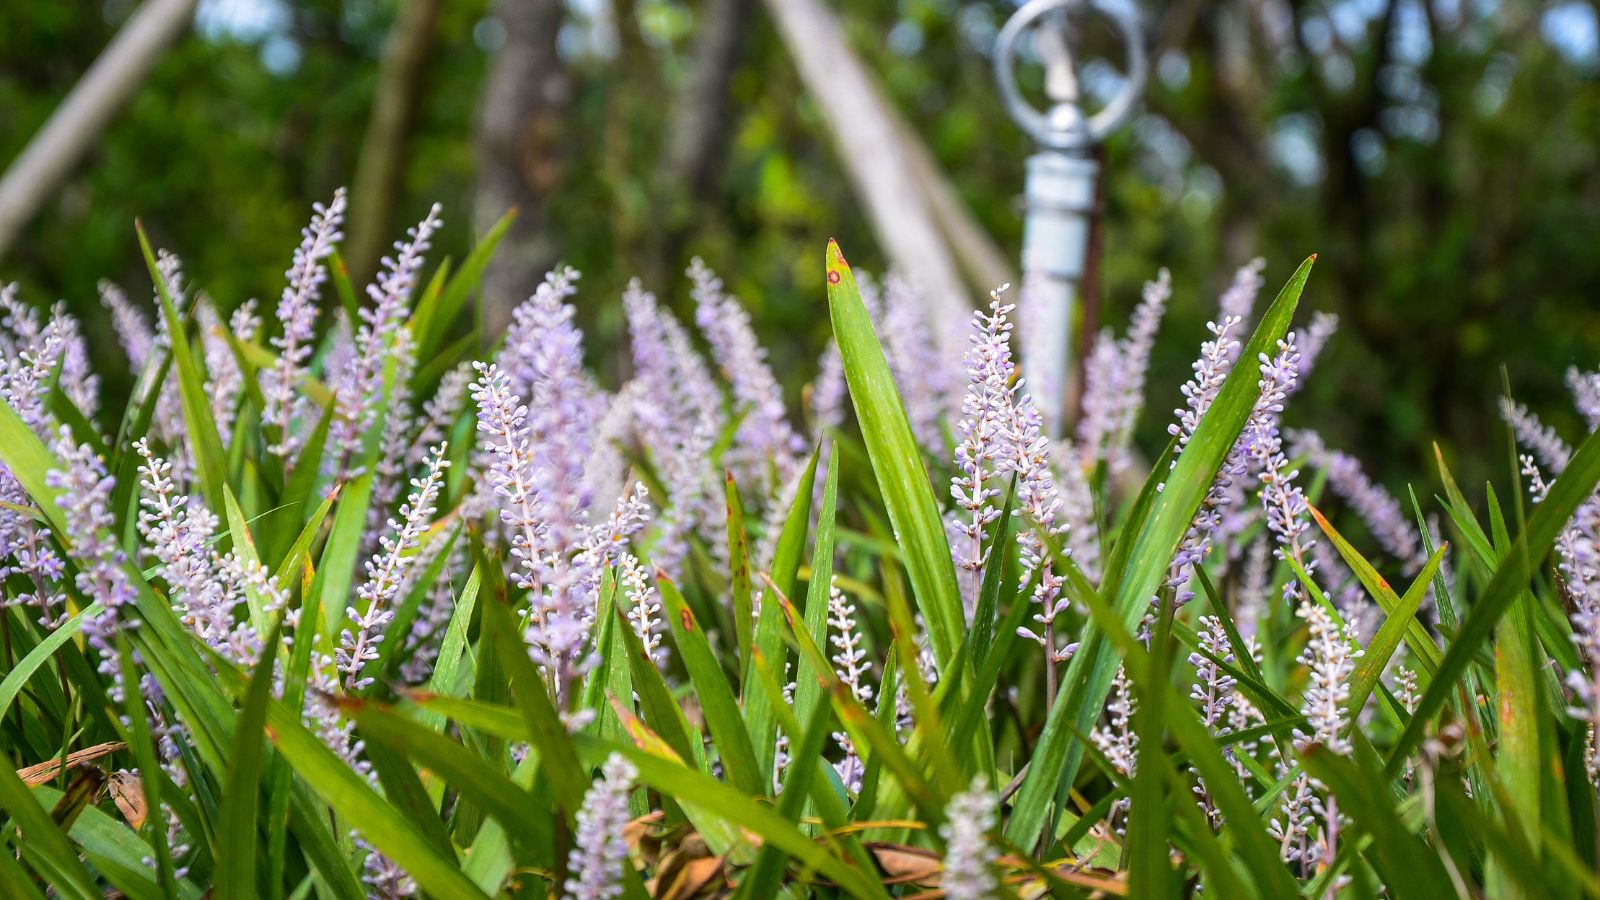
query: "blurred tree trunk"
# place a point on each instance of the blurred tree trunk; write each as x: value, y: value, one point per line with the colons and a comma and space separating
x: 698, y: 141
x: 980, y: 257
x: 698, y: 133
x: 86, y: 112
x: 381, y: 168
x: 521, y: 121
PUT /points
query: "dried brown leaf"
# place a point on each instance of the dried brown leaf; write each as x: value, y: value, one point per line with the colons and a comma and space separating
x: 127, y: 792
x: 901, y: 864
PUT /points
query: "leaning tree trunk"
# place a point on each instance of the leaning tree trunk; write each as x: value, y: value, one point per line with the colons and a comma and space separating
x: 118, y: 72
x: 870, y: 147
x: 521, y: 119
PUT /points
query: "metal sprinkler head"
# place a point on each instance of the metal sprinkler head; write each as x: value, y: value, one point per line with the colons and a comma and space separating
x: 1061, y: 177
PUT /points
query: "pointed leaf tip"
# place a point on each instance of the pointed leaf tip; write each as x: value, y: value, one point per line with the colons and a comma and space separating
x: 1317, y: 514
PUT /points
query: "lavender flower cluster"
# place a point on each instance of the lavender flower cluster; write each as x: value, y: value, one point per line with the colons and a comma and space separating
x: 1577, y: 548
x: 527, y: 459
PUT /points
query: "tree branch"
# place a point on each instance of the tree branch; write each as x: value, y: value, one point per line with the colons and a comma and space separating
x: 50, y: 157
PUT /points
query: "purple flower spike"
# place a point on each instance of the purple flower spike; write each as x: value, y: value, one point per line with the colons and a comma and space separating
x: 85, y: 498
x: 764, y: 434
x: 1538, y: 437
x: 970, y: 856
x: 985, y: 410
x: 599, y: 851
x: 1585, y: 388
x: 1377, y: 507
x: 503, y: 429
x: 1239, y: 300
x: 297, y: 310
x: 1330, y: 654
x: 917, y: 360
x: 361, y: 381
x: 1114, y: 380
x: 1312, y: 342
x: 387, y: 573
x: 132, y: 328
x: 543, y: 356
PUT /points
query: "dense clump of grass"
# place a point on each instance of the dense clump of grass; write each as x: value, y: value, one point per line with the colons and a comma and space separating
x: 335, y: 609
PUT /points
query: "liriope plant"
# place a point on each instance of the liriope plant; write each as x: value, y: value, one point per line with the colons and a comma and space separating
x: 339, y: 606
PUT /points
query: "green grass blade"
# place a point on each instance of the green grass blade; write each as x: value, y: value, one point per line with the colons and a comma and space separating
x: 744, y: 625
x: 1403, y: 861
x: 1156, y: 533
x: 610, y: 675
x: 42, y: 652
x: 142, y: 741
x: 124, y: 463
x: 717, y: 703
x: 337, y: 567
x: 488, y: 859
x: 722, y: 835
x: 352, y: 799
x: 245, y: 546
x: 548, y: 734
x: 431, y: 321
x: 1376, y: 655
x: 661, y: 711
x: 236, y: 837
x: 1570, y: 490
x: 828, y: 800
x: 14, y: 879
x: 1254, y: 846
x: 677, y: 780
x: 29, y: 461
x: 1518, y: 762
x: 762, y: 880
x: 763, y: 724
x: 463, y: 770
x: 44, y: 847
x: 298, y: 489
x: 339, y: 274
x: 298, y: 551
x: 200, y: 426
x: 1423, y: 649
x: 808, y: 688
x: 402, y: 786
x: 453, y: 651
x: 998, y: 578
x: 392, y: 653
x: 1149, y: 817
x: 896, y: 461
x: 864, y: 729
x: 116, y: 852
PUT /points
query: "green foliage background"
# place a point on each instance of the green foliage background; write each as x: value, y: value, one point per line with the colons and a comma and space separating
x: 1468, y: 247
